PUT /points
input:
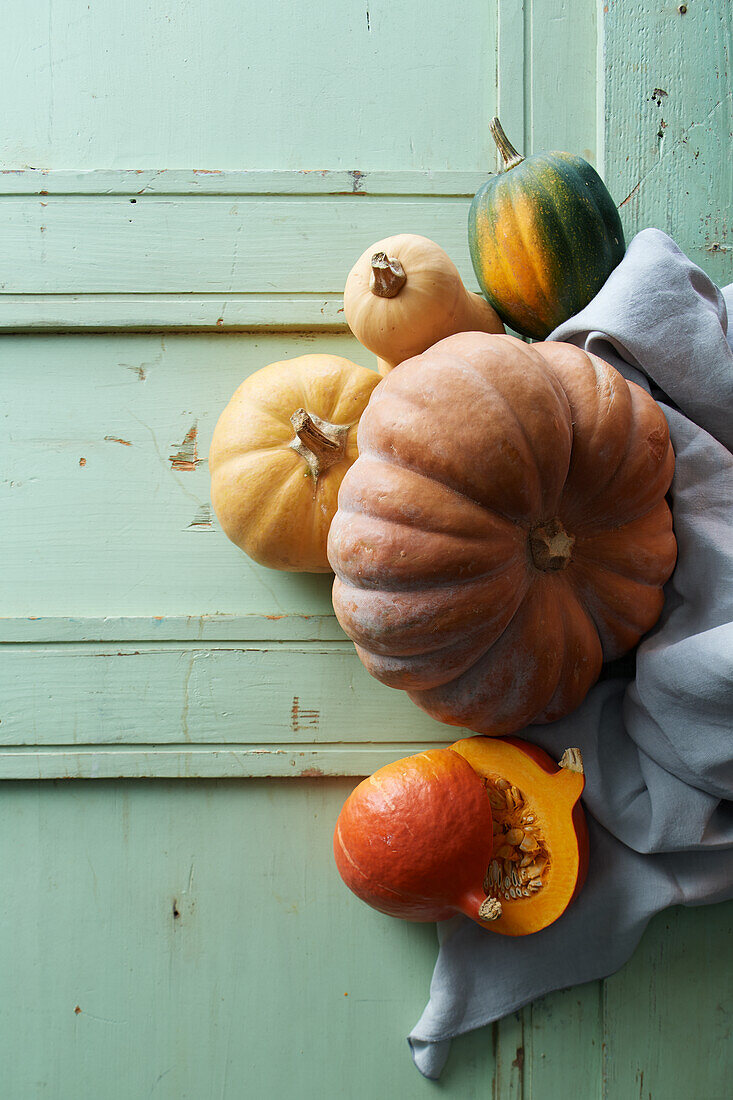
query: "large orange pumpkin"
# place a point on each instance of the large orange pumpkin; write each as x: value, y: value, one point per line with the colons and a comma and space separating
x: 504, y: 529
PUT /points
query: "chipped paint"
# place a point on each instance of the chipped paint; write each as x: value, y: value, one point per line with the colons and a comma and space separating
x: 202, y: 521
x: 186, y: 457
x: 303, y: 719
x: 311, y: 773
x: 115, y: 439
x: 82, y: 462
x: 357, y: 181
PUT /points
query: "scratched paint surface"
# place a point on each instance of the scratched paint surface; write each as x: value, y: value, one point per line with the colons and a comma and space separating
x: 130, y: 528
x: 669, y: 123
x: 200, y: 924
x: 225, y: 85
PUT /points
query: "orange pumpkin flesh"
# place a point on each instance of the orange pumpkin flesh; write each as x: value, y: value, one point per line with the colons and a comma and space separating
x: 419, y: 839
x: 541, y: 800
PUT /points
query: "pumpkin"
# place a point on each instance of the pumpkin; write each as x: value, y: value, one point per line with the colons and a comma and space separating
x: 540, y: 853
x: 491, y: 828
x: 414, y: 840
x: 279, y: 452
x: 544, y: 236
x: 404, y: 294
x: 494, y: 545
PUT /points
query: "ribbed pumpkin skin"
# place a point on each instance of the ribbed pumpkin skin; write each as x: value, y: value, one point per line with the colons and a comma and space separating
x: 414, y: 839
x: 544, y: 236
x: 468, y: 455
x: 265, y: 496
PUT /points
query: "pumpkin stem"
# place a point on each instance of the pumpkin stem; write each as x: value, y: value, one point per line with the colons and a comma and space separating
x: 572, y: 760
x: 318, y: 442
x: 550, y: 546
x: 489, y: 909
x: 388, y: 276
x: 509, y: 154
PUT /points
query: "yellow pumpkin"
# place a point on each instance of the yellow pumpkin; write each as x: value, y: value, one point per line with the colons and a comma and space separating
x: 404, y: 294
x: 278, y: 455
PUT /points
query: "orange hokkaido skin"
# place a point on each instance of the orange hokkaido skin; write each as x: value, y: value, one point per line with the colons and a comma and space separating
x: 553, y: 795
x: 414, y: 839
x: 431, y: 305
x: 266, y: 497
x: 469, y: 454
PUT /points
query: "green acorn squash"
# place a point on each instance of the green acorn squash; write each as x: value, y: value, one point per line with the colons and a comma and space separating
x: 544, y: 236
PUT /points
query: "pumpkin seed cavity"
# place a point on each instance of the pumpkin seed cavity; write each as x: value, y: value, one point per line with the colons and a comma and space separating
x: 520, y: 859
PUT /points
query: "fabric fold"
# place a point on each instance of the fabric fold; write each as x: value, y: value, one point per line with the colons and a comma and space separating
x: 658, y: 747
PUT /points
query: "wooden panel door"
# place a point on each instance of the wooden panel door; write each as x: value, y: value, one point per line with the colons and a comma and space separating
x: 182, y: 192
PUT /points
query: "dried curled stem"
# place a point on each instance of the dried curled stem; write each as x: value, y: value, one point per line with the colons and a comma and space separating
x: 319, y: 443
x: 388, y: 276
x: 509, y: 154
x: 572, y: 760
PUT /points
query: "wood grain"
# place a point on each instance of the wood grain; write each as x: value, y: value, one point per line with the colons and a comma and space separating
x: 669, y: 123
x: 169, y: 693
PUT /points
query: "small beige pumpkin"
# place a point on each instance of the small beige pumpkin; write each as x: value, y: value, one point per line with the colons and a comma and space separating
x: 404, y: 294
x: 279, y: 453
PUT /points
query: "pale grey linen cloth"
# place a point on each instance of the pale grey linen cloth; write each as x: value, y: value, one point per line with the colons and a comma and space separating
x: 658, y: 747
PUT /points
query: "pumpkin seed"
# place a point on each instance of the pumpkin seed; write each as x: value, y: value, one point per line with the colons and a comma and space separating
x: 529, y: 844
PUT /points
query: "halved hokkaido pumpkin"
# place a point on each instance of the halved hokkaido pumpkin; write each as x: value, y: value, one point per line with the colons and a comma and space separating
x: 540, y: 853
x: 490, y: 828
x: 414, y: 839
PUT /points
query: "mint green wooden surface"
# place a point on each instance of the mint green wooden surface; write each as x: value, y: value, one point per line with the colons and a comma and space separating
x: 273, y: 978
x: 182, y: 192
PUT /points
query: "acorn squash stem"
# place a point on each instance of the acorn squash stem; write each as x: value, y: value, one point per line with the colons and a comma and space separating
x: 509, y: 154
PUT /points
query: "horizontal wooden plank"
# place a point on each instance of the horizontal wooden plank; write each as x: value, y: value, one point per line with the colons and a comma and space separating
x: 192, y: 244
x: 102, y: 519
x: 168, y: 693
x: 226, y: 85
x: 171, y: 628
x: 201, y: 261
x: 181, y: 312
x: 209, y: 762
x: 170, y: 181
